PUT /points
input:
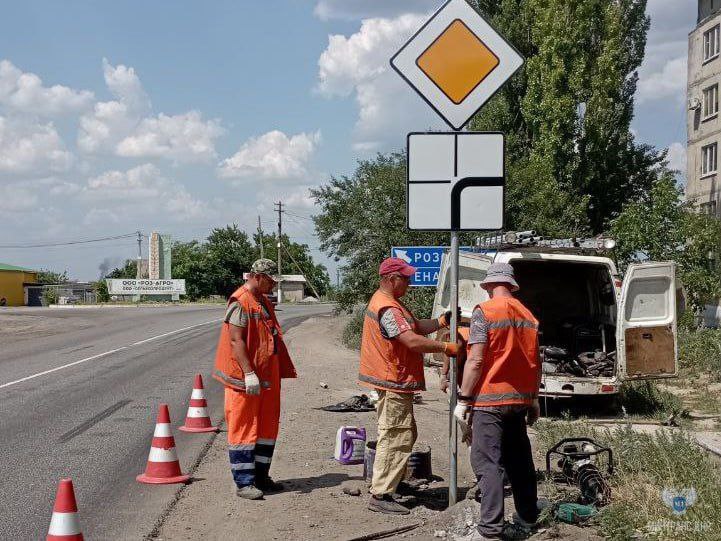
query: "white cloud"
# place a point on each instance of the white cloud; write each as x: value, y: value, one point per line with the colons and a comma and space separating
x: 123, y: 126
x: 677, y: 158
x: 359, y: 65
x: 180, y: 138
x: 29, y: 148
x: 668, y: 82
x: 273, y: 155
x: 25, y: 93
x: 17, y: 197
x: 663, y: 73
x: 142, y: 191
x: 363, y: 9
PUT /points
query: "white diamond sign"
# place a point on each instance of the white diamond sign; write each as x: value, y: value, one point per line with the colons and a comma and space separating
x: 457, y: 62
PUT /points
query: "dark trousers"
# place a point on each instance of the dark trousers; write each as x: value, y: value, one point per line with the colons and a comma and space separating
x: 500, y: 444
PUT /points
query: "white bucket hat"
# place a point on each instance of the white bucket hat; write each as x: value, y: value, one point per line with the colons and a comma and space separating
x: 500, y: 273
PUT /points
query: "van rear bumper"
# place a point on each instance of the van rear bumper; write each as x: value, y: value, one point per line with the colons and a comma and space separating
x: 559, y: 387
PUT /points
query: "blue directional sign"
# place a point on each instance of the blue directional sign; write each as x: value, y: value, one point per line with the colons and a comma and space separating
x: 427, y: 259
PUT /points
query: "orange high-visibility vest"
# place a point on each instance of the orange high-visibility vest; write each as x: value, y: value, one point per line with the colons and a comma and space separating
x: 258, y: 336
x: 387, y: 364
x: 510, y: 368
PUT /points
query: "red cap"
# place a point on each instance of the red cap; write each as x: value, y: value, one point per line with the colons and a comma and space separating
x: 395, y: 264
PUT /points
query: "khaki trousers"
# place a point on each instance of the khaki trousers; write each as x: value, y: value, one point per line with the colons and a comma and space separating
x: 396, y: 435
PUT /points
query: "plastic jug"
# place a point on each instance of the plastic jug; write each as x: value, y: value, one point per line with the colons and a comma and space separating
x: 350, y: 442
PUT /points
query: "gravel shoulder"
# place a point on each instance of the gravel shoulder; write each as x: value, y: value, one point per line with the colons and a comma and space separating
x: 314, y: 506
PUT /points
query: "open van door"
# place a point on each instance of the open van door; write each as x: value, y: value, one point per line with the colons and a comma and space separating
x: 646, y: 334
x: 472, y: 269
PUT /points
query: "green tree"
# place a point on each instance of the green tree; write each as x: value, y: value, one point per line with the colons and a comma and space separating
x: 129, y: 270
x: 52, y: 277
x: 661, y: 226
x: 572, y: 159
x: 361, y: 217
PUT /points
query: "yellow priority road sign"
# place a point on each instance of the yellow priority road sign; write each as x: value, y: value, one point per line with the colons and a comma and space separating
x: 456, y: 62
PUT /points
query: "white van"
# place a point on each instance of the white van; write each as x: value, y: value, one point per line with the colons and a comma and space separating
x: 583, y: 307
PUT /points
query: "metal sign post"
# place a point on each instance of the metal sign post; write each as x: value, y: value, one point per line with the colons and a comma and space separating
x: 453, y: 374
x: 456, y: 62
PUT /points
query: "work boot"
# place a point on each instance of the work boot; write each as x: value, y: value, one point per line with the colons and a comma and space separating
x: 475, y: 535
x: 267, y: 485
x: 386, y: 505
x: 514, y: 531
x: 249, y: 492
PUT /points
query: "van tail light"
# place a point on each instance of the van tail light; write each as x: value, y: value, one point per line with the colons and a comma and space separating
x: 608, y: 388
x: 618, y: 283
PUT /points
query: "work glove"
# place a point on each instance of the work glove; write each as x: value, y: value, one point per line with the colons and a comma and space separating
x: 461, y: 412
x: 534, y: 412
x: 252, y: 383
x: 445, y: 320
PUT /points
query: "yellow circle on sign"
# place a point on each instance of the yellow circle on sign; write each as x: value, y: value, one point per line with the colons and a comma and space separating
x: 457, y: 61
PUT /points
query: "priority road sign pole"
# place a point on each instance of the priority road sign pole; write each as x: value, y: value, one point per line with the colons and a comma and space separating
x: 453, y: 375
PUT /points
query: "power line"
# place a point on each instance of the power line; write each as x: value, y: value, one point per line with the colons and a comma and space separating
x: 299, y: 215
x: 68, y: 243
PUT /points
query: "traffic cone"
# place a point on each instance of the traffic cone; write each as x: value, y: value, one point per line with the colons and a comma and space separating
x: 163, y: 467
x: 64, y: 525
x: 197, y: 419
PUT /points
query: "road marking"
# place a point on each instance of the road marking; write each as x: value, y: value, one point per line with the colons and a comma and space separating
x: 105, y: 354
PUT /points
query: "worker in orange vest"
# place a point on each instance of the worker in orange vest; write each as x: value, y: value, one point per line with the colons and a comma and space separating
x: 501, y: 380
x: 250, y: 361
x: 391, y: 361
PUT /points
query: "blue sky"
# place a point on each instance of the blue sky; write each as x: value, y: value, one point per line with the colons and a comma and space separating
x: 181, y: 116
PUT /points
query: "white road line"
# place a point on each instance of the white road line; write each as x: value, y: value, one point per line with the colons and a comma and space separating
x: 105, y: 354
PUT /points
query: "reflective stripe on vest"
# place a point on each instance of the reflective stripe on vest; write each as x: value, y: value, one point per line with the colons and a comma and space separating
x: 518, y: 324
x: 410, y: 386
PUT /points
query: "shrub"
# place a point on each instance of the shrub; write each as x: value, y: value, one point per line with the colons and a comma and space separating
x: 353, y: 331
x: 700, y: 352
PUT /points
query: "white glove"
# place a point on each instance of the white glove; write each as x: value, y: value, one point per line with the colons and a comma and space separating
x: 252, y: 383
x: 461, y: 413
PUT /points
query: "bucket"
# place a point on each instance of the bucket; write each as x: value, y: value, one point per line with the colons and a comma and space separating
x: 350, y: 445
x: 419, y: 464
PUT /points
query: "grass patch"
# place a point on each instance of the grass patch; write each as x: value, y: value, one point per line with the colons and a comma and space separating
x: 700, y: 352
x: 645, y: 465
x: 645, y: 398
x: 353, y: 331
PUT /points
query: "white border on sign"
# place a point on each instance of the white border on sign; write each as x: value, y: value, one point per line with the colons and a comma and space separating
x: 404, y: 62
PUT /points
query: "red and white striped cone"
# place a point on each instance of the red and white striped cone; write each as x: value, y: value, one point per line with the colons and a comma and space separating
x: 163, y: 466
x: 64, y: 524
x: 197, y: 419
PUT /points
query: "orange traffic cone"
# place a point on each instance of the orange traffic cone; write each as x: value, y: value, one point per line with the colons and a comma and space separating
x: 64, y: 525
x: 163, y: 467
x: 197, y: 419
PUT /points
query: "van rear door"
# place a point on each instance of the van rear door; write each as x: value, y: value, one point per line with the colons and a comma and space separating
x: 646, y: 334
x: 472, y: 269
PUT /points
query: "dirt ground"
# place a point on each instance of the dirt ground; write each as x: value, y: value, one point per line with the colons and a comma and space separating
x: 314, y: 506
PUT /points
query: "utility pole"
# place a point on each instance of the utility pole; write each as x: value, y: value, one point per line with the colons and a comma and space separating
x: 279, y: 204
x: 138, y: 273
x: 260, y: 237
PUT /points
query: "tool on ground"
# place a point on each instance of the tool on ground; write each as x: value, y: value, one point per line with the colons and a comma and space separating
x: 354, y: 403
x: 64, y: 524
x: 580, y: 461
x: 197, y: 418
x: 574, y: 513
x: 350, y: 444
x: 163, y: 467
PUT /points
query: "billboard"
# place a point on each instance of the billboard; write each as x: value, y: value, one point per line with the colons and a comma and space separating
x: 123, y: 286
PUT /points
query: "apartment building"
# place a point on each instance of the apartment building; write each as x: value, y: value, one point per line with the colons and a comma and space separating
x: 704, y: 126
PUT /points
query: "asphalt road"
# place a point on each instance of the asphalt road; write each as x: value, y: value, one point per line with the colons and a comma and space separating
x: 79, y: 399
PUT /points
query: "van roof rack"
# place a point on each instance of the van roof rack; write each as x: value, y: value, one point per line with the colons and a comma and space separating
x: 531, y: 240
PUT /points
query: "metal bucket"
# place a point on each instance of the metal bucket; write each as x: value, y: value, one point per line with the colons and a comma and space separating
x: 419, y: 464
